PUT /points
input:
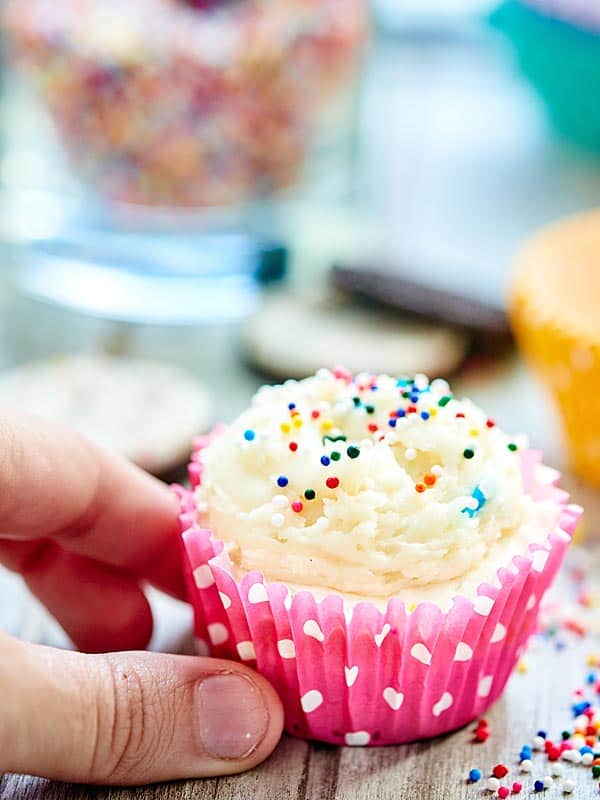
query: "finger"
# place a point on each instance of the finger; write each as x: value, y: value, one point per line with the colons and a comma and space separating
x: 54, y: 483
x: 100, y: 608
x: 131, y: 718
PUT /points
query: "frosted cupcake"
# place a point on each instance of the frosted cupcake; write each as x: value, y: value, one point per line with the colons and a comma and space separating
x: 376, y: 547
x: 554, y: 302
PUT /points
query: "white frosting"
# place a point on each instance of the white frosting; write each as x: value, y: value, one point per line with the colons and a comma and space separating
x: 375, y: 534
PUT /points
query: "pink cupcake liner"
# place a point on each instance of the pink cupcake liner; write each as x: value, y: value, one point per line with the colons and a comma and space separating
x: 363, y: 676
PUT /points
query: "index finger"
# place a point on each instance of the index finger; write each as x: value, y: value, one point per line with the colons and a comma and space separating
x: 56, y: 484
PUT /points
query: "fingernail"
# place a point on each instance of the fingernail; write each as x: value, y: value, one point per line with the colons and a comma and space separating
x: 233, y: 715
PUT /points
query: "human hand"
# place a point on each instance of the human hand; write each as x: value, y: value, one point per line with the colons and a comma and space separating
x: 84, y: 529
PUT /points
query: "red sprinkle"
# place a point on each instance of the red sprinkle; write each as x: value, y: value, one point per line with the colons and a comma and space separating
x: 481, y: 734
x: 554, y: 753
x: 516, y: 787
x: 503, y: 791
x: 500, y: 771
x: 490, y: 423
x: 297, y: 506
x: 482, y: 723
x: 548, y: 745
x: 293, y: 446
x: 315, y: 414
x: 372, y: 427
x: 429, y: 479
x: 411, y: 410
x: 590, y: 730
x: 419, y: 487
x: 332, y: 483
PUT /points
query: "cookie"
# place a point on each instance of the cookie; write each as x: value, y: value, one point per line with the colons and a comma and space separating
x: 408, y: 296
x: 291, y: 336
x: 148, y: 411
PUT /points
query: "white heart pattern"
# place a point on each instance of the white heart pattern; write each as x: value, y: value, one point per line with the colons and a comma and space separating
x: 351, y: 675
x: 498, y: 634
x: 201, y: 647
x: 246, y: 651
x: 225, y: 599
x: 464, y: 652
x: 443, y: 704
x: 357, y: 738
x: 218, y: 633
x: 531, y: 602
x: 539, y: 559
x: 312, y: 628
x: 393, y: 698
x: 379, y: 637
x: 286, y: 648
x: 311, y: 700
x: 257, y: 593
x: 485, y: 685
x: 203, y: 577
x: 483, y: 605
x: 421, y: 653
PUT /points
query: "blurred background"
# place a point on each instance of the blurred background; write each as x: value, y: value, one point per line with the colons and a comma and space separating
x: 197, y: 196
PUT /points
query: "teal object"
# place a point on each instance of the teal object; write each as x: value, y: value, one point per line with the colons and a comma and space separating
x: 562, y: 62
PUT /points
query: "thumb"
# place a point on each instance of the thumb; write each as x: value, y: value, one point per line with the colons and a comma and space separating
x: 130, y: 718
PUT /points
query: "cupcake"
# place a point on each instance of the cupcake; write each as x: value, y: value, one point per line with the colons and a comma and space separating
x: 374, y: 546
x: 186, y: 103
x: 555, y: 298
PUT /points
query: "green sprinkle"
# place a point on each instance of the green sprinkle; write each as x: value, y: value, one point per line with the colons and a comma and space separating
x: 353, y: 452
x: 370, y: 409
x: 468, y: 452
x: 309, y: 494
x: 334, y: 439
x: 335, y: 456
x: 596, y: 770
x: 512, y: 447
x: 406, y: 394
x: 443, y: 401
x: 356, y: 401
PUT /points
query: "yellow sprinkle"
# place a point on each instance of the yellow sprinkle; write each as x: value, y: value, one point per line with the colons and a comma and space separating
x: 592, y: 660
x: 285, y: 427
x: 326, y: 425
x: 474, y: 432
x: 412, y: 607
x: 433, y: 412
x: 522, y: 667
x: 298, y: 422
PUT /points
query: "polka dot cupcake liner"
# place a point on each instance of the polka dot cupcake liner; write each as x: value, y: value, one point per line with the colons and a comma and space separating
x: 361, y: 676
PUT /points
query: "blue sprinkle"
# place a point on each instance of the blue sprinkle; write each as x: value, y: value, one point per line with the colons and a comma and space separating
x: 374, y: 388
x: 424, y: 414
x: 579, y: 708
x: 480, y: 497
x: 543, y: 734
x: 591, y: 678
x: 538, y: 786
x: 291, y: 406
x: 249, y: 435
x: 414, y: 398
x: 282, y: 481
x: 392, y: 422
x: 325, y: 461
x: 401, y: 412
x: 560, y: 645
x: 475, y: 775
x: 585, y: 749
